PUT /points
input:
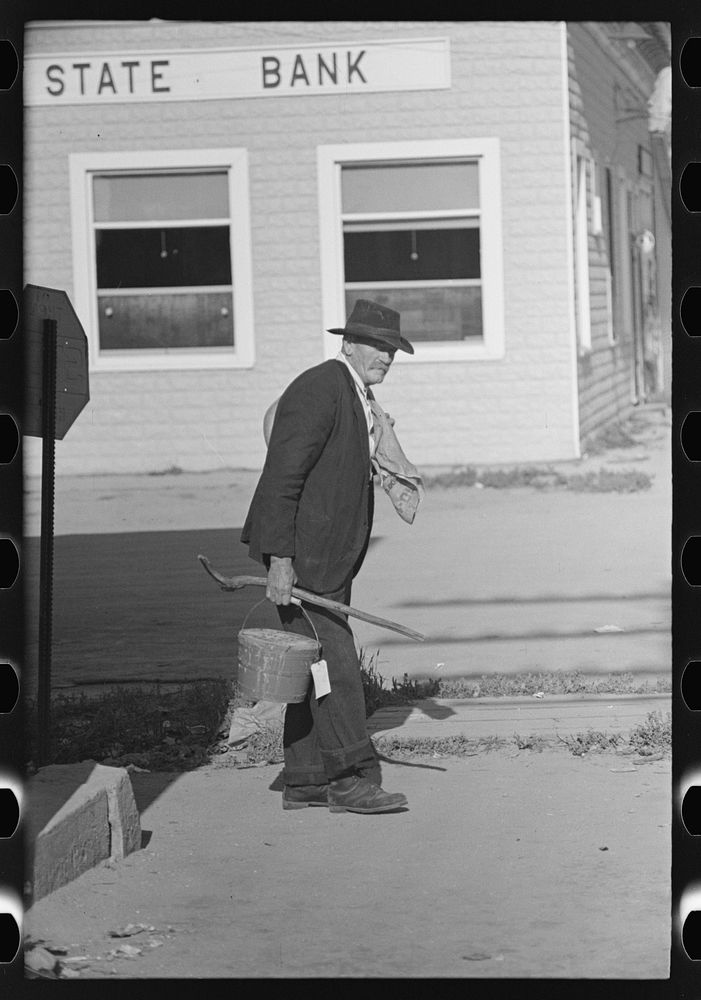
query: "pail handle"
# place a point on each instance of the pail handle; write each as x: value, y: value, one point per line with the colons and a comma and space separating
x: 295, y: 600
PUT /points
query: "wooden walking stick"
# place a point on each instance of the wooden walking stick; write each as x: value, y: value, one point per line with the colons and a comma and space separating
x: 237, y: 582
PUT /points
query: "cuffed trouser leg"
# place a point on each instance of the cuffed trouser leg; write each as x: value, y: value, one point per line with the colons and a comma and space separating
x: 324, y: 738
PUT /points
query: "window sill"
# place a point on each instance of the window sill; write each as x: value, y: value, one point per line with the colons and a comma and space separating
x: 450, y: 351
x: 157, y: 361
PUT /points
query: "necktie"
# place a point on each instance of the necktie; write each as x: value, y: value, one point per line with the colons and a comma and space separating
x: 370, y: 398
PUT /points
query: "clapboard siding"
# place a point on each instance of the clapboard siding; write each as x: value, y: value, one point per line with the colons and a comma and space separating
x: 602, y: 93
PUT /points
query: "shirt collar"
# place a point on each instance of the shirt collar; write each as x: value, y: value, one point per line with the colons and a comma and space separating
x: 356, y: 378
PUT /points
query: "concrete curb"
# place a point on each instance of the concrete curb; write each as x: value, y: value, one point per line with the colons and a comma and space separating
x: 78, y: 815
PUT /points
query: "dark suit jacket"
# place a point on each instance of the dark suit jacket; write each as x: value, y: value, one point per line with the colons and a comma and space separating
x: 313, y: 501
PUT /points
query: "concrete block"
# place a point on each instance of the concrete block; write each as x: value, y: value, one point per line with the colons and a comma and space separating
x: 122, y: 814
x: 77, y: 815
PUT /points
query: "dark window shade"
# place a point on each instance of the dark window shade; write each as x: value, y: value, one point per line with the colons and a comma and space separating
x: 163, y: 258
x: 430, y: 314
x: 387, y: 255
x: 169, y: 321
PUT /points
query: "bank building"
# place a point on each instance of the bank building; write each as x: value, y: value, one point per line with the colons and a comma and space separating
x: 213, y: 196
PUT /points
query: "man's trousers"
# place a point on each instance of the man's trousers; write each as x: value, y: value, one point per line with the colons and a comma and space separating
x: 324, y: 738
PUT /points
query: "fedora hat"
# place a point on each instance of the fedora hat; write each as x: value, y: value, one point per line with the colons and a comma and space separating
x: 375, y: 322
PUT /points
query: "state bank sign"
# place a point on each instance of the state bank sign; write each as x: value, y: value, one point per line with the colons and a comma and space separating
x: 215, y: 74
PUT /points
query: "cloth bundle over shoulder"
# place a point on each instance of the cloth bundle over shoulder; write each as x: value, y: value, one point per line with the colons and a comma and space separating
x: 398, y: 477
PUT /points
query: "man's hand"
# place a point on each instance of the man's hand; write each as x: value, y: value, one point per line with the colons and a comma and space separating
x: 281, y: 579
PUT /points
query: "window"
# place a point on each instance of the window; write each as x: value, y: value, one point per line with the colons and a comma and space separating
x: 644, y: 162
x: 165, y: 237
x: 625, y: 284
x: 416, y: 226
x: 581, y: 247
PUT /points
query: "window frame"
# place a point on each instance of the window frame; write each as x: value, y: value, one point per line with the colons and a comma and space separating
x: 330, y: 161
x: 83, y: 166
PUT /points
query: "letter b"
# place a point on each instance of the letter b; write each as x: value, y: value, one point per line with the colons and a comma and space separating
x: 271, y: 68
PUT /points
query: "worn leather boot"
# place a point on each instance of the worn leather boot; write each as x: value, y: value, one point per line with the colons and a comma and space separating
x: 356, y: 794
x: 302, y: 796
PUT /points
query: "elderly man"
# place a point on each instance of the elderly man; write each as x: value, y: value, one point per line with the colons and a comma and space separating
x: 309, y: 523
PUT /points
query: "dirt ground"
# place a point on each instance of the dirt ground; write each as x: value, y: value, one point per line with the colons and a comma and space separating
x: 506, y: 864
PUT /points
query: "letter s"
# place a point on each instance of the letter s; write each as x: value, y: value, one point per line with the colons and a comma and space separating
x: 54, y: 68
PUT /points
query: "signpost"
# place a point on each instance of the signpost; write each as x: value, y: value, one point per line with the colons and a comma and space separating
x: 55, y: 392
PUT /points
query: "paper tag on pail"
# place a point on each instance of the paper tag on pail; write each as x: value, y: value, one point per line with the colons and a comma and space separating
x: 320, y: 674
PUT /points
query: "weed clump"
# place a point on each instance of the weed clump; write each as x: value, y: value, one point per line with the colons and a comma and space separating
x: 653, y: 735
x: 591, y: 741
x: 400, y: 693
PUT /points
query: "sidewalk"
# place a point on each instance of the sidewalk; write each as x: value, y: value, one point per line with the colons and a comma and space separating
x: 72, y: 808
x: 506, y: 864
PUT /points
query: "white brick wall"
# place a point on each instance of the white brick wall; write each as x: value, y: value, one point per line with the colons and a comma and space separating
x: 506, y: 82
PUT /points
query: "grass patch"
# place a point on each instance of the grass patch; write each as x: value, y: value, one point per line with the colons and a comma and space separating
x: 606, y: 481
x: 547, y: 682
x: 537, y: 477
x: 173, y: 470
x: 464, y: 475
x: 146, y: 725
x: 435, y: 746
x: 518, y: 476
x: 524, y: 475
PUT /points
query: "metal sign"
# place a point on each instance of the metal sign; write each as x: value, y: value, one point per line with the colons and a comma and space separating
x: 72, y: 389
